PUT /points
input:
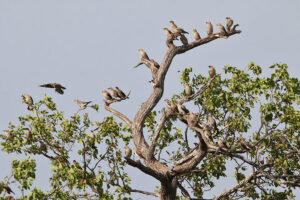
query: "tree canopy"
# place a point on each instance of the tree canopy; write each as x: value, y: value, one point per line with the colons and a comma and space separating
x: 234, y: 116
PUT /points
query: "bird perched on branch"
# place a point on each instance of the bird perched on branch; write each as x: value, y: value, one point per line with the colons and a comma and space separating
x: 229, y: 23
x: 171, y: 105
x: 222, y: 144
x: 184, y: 40
x: 182, y: 109
x: 209, y: 28
x: 28, y: 134
x: 106, y: 95
x: 222, y: 29
x: 81, y: 104
x: 244, y: 145
x: 143, y: 54
x: 196, y: 34
x: 58, y: 87
x: 43, y: 147
x: 213, y: 124
x: 8, y: 134
x: 128, y: 152
x: 154, y: 64
x: 187, y: 89
x: 113, y: 92
x: 77, y: 165
x: 7, y: 188
x: 211, y: 71
x: 121, y: 94
x: 192, y: 119
x: 28, y: 100
x: 170, y: 35
x: 176, y: 29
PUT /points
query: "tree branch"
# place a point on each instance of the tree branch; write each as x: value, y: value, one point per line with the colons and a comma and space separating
x: 118, y: 114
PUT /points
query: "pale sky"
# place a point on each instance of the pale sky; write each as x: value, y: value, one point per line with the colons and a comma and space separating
x: 89, y: 45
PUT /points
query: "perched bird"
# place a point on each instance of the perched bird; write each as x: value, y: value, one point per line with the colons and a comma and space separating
x: 192, y: 119
x: 207, y: 133
x: 170, y: 35
x: 222, y: 29
x: 154, y: 63
x: 81, y: 104
x: 182, y: 109
x: 229, y: 23
x: 211, y: 71
x: 77, y: 165
x: 106, y: 95
x: 212, y: 123
x: 196, y: 34
x: 143, y: 54
x: 8, y: 134
x: 176, y: 29
x: 187, y: 89
x: 222, y: 144
x: 184, y: 40
x: 92, y: 141
x: 28, y: 100
x: 43, y: 147
x: 244, y: 145
x: 128, y: 152
x: 121, y: 94
x: 209, y: 28
x: 92, y: 135
x: 7, y: 189
x: 171, y: 105
x: 28, y: 134
x: 113, y: 92
x: 58, y: 87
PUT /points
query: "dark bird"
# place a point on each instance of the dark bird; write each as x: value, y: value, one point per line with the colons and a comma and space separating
x: 81, y: 104
x: 58, y: 87
x: 106, y: 95
x: 209, y: 28
x: 196, y: 34
x: 143, y: 54
x: 43, y: 147
x: 176, y: 29
x: 222, y: 29
x: 121, y: 94
x: 211, y: 71
x: 128, y: 152
x: 229, y: 23
x: 28, y: 100
x: 7, y: 189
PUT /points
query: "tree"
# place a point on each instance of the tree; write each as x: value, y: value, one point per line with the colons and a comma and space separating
x: 265, y: 152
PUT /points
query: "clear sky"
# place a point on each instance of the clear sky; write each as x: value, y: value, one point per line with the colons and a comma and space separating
x: 89, y: 45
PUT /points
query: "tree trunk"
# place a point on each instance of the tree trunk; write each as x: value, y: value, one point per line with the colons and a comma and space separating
x: 168, y: 189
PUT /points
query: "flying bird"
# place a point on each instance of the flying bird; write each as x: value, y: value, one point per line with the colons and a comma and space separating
x: 58, y: 87
x: 187, y: 89
x: 196, y: 34
x: 176, y: 29
x: 209, y: 28
x: 81, y: 104
x: 143, y: 54
x: 128, y: 152
x: 106, y: 95
x: 222, y: 29
x: 28, y: 100
x: 211, y: 71
x: 229, y: 23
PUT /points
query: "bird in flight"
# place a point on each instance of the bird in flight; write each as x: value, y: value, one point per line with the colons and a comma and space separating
x: 58, y: 87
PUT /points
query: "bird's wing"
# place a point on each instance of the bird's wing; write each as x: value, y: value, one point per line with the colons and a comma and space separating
x: 59, y: 90
x: 48, y: 85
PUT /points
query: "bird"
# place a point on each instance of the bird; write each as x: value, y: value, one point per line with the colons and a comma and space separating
x: 170, y: 35
x: 77, y: 165
x: 184, y: 40
x: 222, y: 144
x: 92, y: 135
x: 8, y: 134
x: 171, y: 105
x: 81, y: 104
x: 128, y: 152
x: 176, y: 29
x: 211, y: 71
x: 244, y: 145
x: 28, y: 100
x: 192, y: 118
x: 187, y: 89
x: 7, y: 189
x: 92, y: 141
x: 212, y: 123
x: 154, y: 63
x: 43, y: 147
x: 28, y: 134
x: 209, y: 28
x: 143, y: 54
x: 113, y: 92
x: 58, y: 87
x: 121, y: 94
x: 207, y: 133
x: 196, y: 34
x: 229, y: 23
x: 182, y: 109
x: 107, y: 95
x: 222, y: 29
